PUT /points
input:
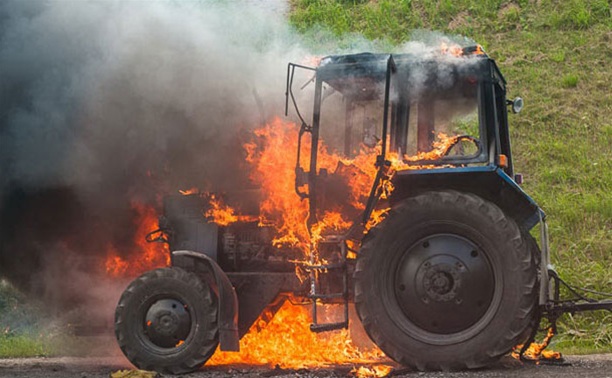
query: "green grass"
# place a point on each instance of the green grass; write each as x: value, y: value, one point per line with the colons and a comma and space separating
x: 26, y: 331
x: 23, y: 346
x: 556, y: 55
x: 20, y: 332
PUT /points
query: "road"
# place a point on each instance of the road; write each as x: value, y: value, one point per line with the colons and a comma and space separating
x: 589, y: 366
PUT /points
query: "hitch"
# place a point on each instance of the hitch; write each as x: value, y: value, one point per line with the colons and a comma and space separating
x: 554, y: 308
x: 580, y: 303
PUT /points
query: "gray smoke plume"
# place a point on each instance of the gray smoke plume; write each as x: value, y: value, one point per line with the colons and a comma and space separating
x: 105, y: 102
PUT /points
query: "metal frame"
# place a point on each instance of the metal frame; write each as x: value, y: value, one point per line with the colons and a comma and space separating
x: 494, y: 141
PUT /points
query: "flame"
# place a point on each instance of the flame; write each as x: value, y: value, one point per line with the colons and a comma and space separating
x: 189, y: 191
x: 377, y: 216
x: 451, y: 49
x: 536, y: 351
x: 224, y: 215
x: 287, y: 341
x: 145, y: 256
x: 372, y: 371
x: 275, y: 174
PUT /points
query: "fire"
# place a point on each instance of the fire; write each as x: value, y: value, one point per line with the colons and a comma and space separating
x: 287, y: 341
x: 452, y: 49
x: 146, y: 256
x: 223, y: 214
x: 457, y: 51
x: 373, y: 371
x: 275, y: 174
x: 536, y: 351
x: 189, y: 191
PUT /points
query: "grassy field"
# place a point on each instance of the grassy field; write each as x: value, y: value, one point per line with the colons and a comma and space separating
x: 557, y: 55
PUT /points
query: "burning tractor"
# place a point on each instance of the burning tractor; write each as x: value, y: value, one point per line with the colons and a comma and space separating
x: 436, y: 254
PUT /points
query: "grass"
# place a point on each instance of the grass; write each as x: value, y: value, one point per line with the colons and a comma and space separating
x: 23, y: 346
x: 26, y: 331
x: 556, y: 55
x: 21, y: 333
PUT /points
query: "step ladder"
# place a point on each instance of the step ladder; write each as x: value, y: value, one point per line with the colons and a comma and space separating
x: 316, y: 270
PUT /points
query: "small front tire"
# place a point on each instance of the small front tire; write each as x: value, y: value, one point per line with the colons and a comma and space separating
x: 166, y: 321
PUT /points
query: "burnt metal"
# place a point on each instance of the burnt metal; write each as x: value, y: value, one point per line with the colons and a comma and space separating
x: 289, y: 88
x: 425, y: 126
x: 186, y: 227
x: 300, y: 173
x: 324, y: 285
x: 391, y: 69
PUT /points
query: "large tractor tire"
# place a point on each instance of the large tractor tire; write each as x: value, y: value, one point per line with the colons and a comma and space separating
x: 446, y: 282
x: 166, y: 321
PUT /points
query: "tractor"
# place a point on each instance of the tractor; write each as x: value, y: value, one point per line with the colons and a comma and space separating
x: 450, y: 279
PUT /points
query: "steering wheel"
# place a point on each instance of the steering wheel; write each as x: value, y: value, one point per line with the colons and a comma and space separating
x: 461, y: 138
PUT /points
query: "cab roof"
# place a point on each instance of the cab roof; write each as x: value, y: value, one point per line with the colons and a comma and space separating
x: 360, y: 76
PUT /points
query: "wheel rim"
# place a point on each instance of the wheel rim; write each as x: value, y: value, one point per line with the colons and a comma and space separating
x: 167, y: 323
x: 444, y: 286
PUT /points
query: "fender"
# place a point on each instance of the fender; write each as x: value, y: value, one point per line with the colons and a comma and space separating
x: 228, y: 301
x: 489, y: 182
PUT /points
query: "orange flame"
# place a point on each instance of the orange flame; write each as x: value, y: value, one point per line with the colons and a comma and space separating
x: 536, y: 351
x: 275, y: 174
x: 223, y: 214
x: 189, y: 191
x: 372, y: 371
x: 451, y: 49
x: 287, y: 341
x: 146, y: 256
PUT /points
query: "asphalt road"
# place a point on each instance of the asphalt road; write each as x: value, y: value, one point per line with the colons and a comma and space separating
x: 595, y: 366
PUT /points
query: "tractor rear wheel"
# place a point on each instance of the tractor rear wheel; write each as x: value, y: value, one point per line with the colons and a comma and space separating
x: 166, y: 321
x: 446, y: 282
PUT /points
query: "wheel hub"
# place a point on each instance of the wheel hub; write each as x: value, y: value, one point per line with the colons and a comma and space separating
x: 441, y: 281
x: 167, y: 323
x: 444, y: 283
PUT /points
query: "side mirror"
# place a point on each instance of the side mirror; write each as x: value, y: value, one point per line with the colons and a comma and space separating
x: 517, y: 104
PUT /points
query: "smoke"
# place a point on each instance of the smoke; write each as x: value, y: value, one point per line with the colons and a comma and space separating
x: 105, y: 102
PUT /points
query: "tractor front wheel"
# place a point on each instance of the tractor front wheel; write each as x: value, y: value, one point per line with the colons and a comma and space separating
x: 446, y: 282
x: 166, y: 321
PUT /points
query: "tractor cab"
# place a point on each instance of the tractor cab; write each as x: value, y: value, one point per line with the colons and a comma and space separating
x: 440, y: 115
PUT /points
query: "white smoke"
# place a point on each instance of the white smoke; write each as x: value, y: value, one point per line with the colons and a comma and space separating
x: 104, y: 102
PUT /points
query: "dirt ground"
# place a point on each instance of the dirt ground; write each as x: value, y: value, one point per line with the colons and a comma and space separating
x: 596, y: 366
